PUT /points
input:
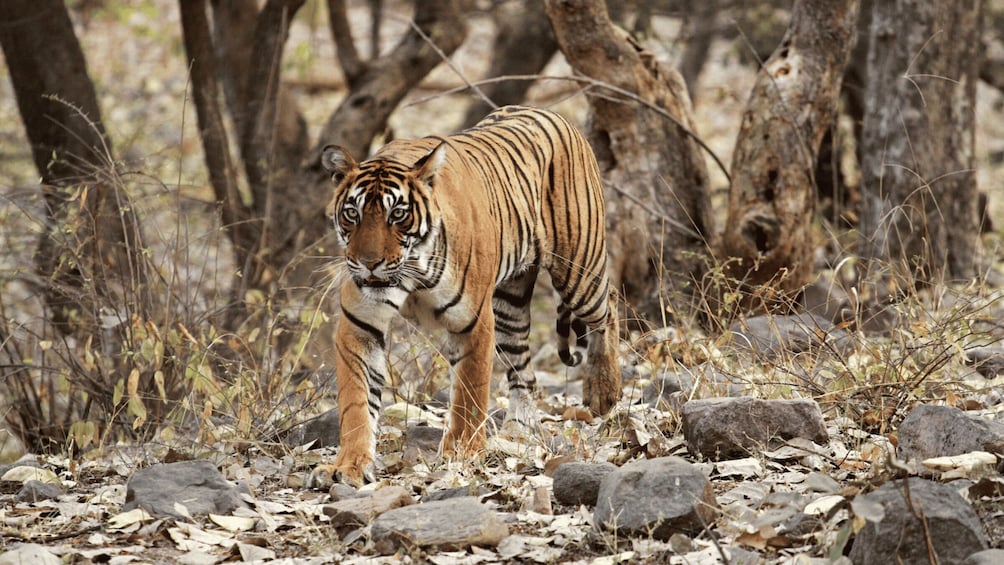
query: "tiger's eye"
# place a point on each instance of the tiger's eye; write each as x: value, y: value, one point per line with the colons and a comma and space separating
x: 350, y: 215
x: 398, y: 214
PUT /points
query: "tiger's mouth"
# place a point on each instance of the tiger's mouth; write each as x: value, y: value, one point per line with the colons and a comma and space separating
x: 374, y: 282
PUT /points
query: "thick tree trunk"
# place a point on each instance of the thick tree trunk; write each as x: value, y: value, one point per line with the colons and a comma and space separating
x: 772, y: 198
x: 658, y: 222
x: 920, y: 218
x: 524, y: 43
x: 90, y: 242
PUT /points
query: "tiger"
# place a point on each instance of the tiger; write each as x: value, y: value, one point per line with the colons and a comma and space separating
x: 451, y: 232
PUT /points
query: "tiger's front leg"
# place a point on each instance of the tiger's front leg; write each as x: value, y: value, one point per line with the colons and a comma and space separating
x: 470, y: 393
x: 361, y: 373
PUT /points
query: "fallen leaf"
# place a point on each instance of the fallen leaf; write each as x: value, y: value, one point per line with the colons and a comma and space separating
x: 24, y: 473
x: 233, y: 523
x: 125, y: 519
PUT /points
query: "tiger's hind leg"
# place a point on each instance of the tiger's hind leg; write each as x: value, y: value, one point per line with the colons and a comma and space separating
x: 594, y: 321
x: 511, y: 305
x: 601, y: 381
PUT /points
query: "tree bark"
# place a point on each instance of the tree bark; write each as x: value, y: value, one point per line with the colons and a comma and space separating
x: 658, y: 222
x: 384, y: 82
x: 90, y: 241
x: 768, y: 235
x: 920, y: 218
x: 524, y: 43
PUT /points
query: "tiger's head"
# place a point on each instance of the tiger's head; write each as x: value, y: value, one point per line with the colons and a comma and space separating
x: 385, y: 215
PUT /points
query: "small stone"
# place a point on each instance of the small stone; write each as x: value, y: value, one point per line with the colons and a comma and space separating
x: 323, y: 430
x: 656, y: 497
x: 724, y: 428
x: 541, y: 502
x: 456, y: 492
x: 456, y: 523
x: 361, y: 510
x: 578, y: 483
x: 424, y: 438
x: 34, y: 491
x: 29, y: 553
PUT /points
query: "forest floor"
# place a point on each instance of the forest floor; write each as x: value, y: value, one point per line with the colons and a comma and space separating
x: 134, y: 52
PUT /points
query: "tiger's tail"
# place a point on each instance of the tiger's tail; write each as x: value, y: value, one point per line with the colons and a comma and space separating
x: 566, y: 324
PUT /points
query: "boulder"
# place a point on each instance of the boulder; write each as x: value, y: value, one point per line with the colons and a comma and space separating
x: 936, y: 431
x: 724, y: 428
x: 936, y: 514
x: 578, y: 483
x: 195, y: 485
x: 655, y: 497
x: 456, y: 523
x: 359, y: 511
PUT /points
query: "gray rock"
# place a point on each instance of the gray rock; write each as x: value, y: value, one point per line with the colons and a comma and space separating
x: 661, y: 392
x: 456, y: 492
x: 425, y: 438
x: 196, y: 485
x: 33, y: 491
x: 656, y: 497
x: 936, y: 431
x: 578, y: 483
x: 771, y: 335
x: 456, y: 523
x: 324, y: 430
x: 827, y: 299
x: 985, y: 557
x: 936, y: 514
x: 988, y: 361
x: 359, y: 511
x: 722, y: 428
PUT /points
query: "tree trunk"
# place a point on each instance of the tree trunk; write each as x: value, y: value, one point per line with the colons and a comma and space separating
x: 524, y: 43
x: 657, y: 185
x: 90, y: 241
x: 384, y: 82
x: 920, y: 219
x: 768, y: 233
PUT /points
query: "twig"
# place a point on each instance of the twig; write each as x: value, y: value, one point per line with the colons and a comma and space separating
x: 446, y: 59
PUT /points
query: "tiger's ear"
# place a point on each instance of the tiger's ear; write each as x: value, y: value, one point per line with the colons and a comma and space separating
x: 337, y: 161
x: 428, y: 167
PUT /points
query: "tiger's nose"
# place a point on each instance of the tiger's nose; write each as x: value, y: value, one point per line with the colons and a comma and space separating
x: 371, y: 263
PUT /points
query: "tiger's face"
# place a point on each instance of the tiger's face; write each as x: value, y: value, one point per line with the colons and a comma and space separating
x: 384, y: 214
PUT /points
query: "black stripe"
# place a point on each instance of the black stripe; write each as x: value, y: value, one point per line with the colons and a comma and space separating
x: 372, y: 330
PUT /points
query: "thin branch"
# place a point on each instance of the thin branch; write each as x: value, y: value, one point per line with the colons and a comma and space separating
x: 341, y: 32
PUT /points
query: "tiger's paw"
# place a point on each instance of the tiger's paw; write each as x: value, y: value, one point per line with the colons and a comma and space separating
x: 455, y: 447
x: 600, y: 394
x: 522, y: 410
x: 355, y: 471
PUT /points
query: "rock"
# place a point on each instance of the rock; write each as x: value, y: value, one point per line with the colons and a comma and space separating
x: 324, y: 430
x: 456, y: 492
x: 771, y: 335
x: 827, y: 299
x: 361, y: 510
x: 723, y: 428
x: 456, y: 523
x: 657, y: 498
x: 578, y: 483
x: 29, y: 553
x: 662, y: 391
x: 424, y: 438
x: 935, y: 431
x: 988, y: 361
x: 195, y: 485
x: 33, y: 491
x: 952, y: 527
x: 985, y: 557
